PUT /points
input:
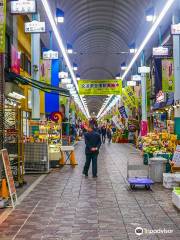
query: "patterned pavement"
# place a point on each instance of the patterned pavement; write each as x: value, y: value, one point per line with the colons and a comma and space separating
x: 66, y: 205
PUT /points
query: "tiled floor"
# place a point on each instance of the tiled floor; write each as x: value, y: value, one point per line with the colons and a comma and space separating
x: 65, y: 205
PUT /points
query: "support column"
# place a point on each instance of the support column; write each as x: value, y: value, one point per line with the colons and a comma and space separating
x: 176, y: 56
x: 144, y: 97
x: 67, y: 107
x: 35, y: 65
x: 144, y: 123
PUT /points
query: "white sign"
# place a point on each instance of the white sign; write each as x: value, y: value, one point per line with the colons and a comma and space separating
x: 175, y: 29
x: 117, y: 122
x: 63, y: 75
x: 66, y: 81
x: 23, y: 6
x: 49, y: 55
x: 160, y: 97
x: 131, y: 83
x: 176, y: 157
x: 160, y: 51
x: 143, y: 69
x: 70, y: 86
x: 136, y: 77
x: 34, y: 27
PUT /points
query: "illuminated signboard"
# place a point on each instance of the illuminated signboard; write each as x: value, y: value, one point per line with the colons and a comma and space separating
x: 175, y: 29
x: 50, y: 55
x: 34, y: 27
x: 23, y: 6
x: 143, y: 69
x: 160, y: 51
x: 131, y: 83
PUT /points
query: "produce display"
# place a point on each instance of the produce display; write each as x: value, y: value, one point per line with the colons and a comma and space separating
x: 120, y: 136
x: 158, y: 143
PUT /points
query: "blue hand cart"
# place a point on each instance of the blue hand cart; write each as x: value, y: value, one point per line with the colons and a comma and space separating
x: 138, y: 181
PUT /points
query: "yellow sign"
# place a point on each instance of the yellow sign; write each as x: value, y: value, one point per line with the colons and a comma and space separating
x: 2, y: 25
x: 129, y: 98
x: 100, y: 87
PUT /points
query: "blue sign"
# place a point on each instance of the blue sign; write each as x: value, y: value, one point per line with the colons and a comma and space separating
x: 122, y: 111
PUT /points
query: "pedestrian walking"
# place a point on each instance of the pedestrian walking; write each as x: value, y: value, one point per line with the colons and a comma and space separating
x: 93, y: 143
x: 103, y: 133
x: 109, y: 134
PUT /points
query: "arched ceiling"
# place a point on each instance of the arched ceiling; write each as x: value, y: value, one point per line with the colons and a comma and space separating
x: 100, y: 32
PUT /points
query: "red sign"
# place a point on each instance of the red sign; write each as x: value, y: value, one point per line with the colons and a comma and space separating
x: 15, y: 60
x: 144, y: 128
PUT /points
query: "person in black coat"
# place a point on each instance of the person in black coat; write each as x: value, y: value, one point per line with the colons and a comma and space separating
x: 103, y: 132
x: 93, y: 143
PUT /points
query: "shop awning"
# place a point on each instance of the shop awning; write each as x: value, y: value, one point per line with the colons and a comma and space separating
x: 13, y: 77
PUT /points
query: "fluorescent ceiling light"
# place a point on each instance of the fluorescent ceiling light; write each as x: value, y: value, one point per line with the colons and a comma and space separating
x: 154, y: 27
x: 61, y: 45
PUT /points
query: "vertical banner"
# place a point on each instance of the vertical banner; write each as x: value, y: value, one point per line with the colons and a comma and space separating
x: 144, y: 128
x: 2, y: 25
x: 52, y: 100
x: 45, y: 71
x: 15, y: 60
x: 122, y: 111
x: 2, y: 81
x: 168, y: 81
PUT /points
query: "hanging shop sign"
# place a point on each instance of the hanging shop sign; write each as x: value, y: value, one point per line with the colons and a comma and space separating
x: 122, y: 111
x: 34, y: 27
x: 63, y: 75
x: 15, y: 60
x: 144, y: 128
x: 66, y: 81
x: 45, y: 71
x: 23, y: 6
x: 9, y: 177
x: 175, y: 29
x: 100, y: 87
x: 131, y: 83
x: 160, y: 97
x: 176, y: 156
x: 136, y: 77
x: 2, y: 25
x: 168, y: 80
x: 143, y: 69
x: 160, y: 51
x: 50, y: 55
x: 117, y: 123
x: 129, y: 98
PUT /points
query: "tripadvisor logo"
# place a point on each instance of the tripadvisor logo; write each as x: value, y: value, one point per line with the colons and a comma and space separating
x: 140, y: 231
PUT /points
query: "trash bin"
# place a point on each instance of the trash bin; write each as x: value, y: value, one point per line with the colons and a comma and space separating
x: 157, y: 166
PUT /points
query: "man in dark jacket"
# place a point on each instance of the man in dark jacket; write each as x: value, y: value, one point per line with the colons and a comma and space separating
x: 103, y: 132
x: 93, y: 143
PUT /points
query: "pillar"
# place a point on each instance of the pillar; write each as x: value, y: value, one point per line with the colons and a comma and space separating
x: 35, y: 63
x: 176, y: 56
x: 144, y: 123
x: 67, y: 107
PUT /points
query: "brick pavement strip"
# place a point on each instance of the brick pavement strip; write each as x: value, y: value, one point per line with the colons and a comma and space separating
x: 72, y: 207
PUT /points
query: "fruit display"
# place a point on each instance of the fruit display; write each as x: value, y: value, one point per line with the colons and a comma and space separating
x: 120, y: 136
x: 155, y: 143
